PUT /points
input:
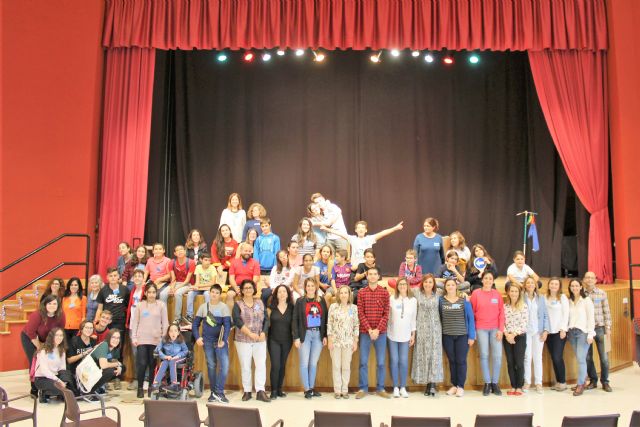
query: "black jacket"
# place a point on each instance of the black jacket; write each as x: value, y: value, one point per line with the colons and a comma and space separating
x: 299, y: 325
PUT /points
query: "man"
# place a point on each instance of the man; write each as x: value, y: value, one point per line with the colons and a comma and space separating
x: 243, y: 268
x: 373, y: 312
x: 333, y: 220
x: 602, y: 316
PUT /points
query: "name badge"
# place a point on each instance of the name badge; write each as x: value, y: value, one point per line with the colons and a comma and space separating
x: 51, y: 356
x: 145, y: 313
x: 494, y: 300
x: 554, y: 302
x: 399, y: 307
x: 116, y: 292
x: 109, y: 356
x: 436, y: 245
x: 455, y: 306
x: 596, y: 301
x: 72, y: 305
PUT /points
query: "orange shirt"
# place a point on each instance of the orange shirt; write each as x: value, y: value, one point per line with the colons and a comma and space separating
x: 74, y: 312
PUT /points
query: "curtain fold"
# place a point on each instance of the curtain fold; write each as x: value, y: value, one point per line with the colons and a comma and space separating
x: 357, y: 24
x: 571, y: 87
x: 125, y: 149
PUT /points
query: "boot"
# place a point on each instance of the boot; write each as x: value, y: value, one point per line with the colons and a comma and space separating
x: 140, y: 394
x: 579, y: 390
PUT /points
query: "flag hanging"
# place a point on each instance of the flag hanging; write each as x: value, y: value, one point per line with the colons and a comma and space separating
x: 533, y: 233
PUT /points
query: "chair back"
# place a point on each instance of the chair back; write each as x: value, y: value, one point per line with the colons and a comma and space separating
x: 591, y: 421
x: 506, y: 420
x: 3, y: 398
x: 420, y: 421
x: 342, y: 419
x: 71, y: 408
x: 171, y: 413
x: 635, y: 419
x: 224, y: 416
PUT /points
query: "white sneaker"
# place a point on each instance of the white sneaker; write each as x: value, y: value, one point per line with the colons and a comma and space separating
x: 460, y: 392
x: 403, y: 392
x: 396, y: 392
x: 452, y: 391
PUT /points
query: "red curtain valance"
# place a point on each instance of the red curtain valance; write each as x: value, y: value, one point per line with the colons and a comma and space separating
x: 357, y: 24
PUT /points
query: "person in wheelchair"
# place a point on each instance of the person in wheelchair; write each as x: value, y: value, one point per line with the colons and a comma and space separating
x: 172, y: 350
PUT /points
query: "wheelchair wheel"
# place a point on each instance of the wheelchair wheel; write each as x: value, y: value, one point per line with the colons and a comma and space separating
x: 198, y: 384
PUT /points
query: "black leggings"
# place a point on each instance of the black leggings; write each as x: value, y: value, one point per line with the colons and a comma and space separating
x: 515, y: 359
x: 47, y: 385
x: 107, y: 375
x: 278, y: 353
x: 144, y: 360
x: 555, y: 345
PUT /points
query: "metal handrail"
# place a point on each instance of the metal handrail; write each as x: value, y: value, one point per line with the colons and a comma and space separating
x: 51, y: 270
x: 631, y: 265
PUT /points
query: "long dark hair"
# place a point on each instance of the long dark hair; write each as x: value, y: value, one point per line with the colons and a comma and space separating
x: 67, y: 291
x: 273, y: 299
x: 167, y: 338
x: 110, y: 335
x: 47, y: 290
x: 279, y: 266
x: 49, y: 344
x: 146, y: 289
x: 218, y: 242
x: 134, y: 257
x: 582, y: 292
x: 43, y: 307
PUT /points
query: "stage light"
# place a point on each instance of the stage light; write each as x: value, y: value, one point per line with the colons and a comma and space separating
x: 428, y: 58
x: 395, y: 52
x: 280, y: 52
x: 415, y: 53
x: 448, y: 60
x: 375, y: 58
x: 221, y: 57
x: 474, y: 59
x: 319, y: 56
x: 249, y: 56
x: 266, y: 57
x: 299, y: 52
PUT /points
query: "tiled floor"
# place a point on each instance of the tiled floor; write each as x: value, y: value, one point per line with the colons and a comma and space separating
x: 549, y: 407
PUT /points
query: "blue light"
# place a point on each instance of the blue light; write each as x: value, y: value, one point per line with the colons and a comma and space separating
x: 222, y: 57
x: 474, y: 59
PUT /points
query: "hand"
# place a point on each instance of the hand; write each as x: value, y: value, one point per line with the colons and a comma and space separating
x: 297, y: 343
x: 325, y: 228
x: 172, y: 289
x: 399, y: 226
x: 590, y: 341
x: 499, y: 335
x: 220, y: 269
x: 324, y: 342
x: 221, y: 344
x: 135, y: 343
x: 117, y: 371
x: 563, y: 335
x: 470, y: 342
x: 330, y: 345
x: 262, y: 337
x: 355, y: 346
x: 200, y: 342
x: 412, y: 341
x: 452, y: 268
x: 374, y: 334
x: 543, y: 337
x: 167, y: 358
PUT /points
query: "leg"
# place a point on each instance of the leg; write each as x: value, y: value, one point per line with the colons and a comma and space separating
x: 527, y: 357
x: 29, y: 351
x: 46, y: 386
x: 538, y: 346
x: 380, y: 346
x: 178, y: 297
x: 316, y: 349
x: 265, y: 293
x: 448, y: 342
x: 107, y: 375
x: 259, y: 351
x: 365, y: 347
x: 173, y: 370
x: 191, y: 297
x: 509, y: 353
x: 336, y: 369
x: 345, y: 366
x: 393, y: 362
x: 461, y: 350
x: 162, y: 370
x: 518, y: 359
x: 284, y: 355
x: 69, y: 381
x: 274, y: 355
x: 581, y: 356
x: 403, y: 362
x: 222, y: 356
x: 600, y: 339
x: 304, y: 353
x: 483, y: 348
x: 163, y: 294
x: 141, y: 364
x: 210, y: 356
x: 496, y: 356
x: 244, y: 356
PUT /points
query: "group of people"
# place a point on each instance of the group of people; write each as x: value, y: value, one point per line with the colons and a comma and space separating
x: 323, y: 290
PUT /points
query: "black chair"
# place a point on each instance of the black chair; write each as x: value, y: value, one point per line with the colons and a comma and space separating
x: 508, y: 420
x: 170, y: 413
x: 224, y: 416
x: 419, y: 422
x: 9, y: 415
x: 635, y: 419
x: 591, y: 421
x: 341, y: 419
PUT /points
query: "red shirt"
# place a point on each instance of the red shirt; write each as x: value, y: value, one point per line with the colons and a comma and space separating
x: 37, y: 327
x: 244, y: 270
x: 373, y: 309
x: 180, y: 270
x: 230, y: 249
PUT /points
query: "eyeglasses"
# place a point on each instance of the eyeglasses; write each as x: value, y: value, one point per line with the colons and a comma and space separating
x: 247, y: 288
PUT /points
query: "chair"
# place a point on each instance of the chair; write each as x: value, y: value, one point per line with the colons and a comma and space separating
x: 508, y: 420
x: 224, y: 416
x: 171, y: 413
x: 591, y: 421
x: 73, y: 413
x: 635, y: 419
x: 341, y: 419
x: 419, y: 422
x: 10, y: 415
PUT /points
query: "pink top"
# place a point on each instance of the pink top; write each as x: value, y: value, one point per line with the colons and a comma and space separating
x: 49, y: 364
x: 488, y: 309
x: 150, y: 323
x: 157, y: 269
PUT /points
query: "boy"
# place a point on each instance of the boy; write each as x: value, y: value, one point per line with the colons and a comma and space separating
x: 101, y: 328
x: 215, y: 318
x: 333, y: 219
x: 266, y: 247
x: 519, y: 271
x: 181, y: 269
x: 340, y: 273
x: 157, y: 270
x: 206, y: 275
x: 115, y: 298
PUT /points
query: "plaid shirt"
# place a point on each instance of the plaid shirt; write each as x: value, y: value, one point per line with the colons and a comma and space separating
x: 601, y: 310
x: 373, y: 309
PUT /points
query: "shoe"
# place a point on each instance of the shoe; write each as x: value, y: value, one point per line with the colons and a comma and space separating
x: 345, y: 395
x: 315, y: 393
x: 452, y: 391
x: 433, y: 389
x: 396, y: 392
x: 337, y: 395
x: 495, y: 389
x: 511, y: 393
x: 174, y: 387
x: 574, y: 387
x: 150, y: 391
x: 486, y: 390
x: 213, y: 397
x: 459, y: 392
x: 273, y: 395
x: 91, y: 398
x: 102, y: 391
x: 361, y: 394
x: 383, y: 394
x: 282, y: 393
x: 539, y: 388
x: 591, y: 386
x: 132, y: 385
x: 308, y: 394
x: 525, y: 388
x: 109, y: 386
x: 403, y: 392
x: 518, y: 393
x: 606, y: 387
x: 262, y: 396
x: 140, y: 394
x: 188, y: 318
x: 561, y: 386
x: 222, y: 397
x: 117, y: 384
x: 554, y: 387
x: 579, y: 390
x: 42, y: 398
x: 246, y: 396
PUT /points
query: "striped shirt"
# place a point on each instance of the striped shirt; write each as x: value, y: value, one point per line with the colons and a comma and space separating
x: 453, y: 322
x: 601, y: 310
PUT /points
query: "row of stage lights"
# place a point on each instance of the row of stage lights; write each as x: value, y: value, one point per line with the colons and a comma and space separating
x: 376, y: 58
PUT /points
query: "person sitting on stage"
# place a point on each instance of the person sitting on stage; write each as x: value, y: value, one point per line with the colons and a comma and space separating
x: 181, y: 269
x: 281, y: 274
x: 293, y: 252
x: 480, y: 262
x: 206, y: 275
x: 243, y: 268
x: 519, y: 271
x: 333, y: 219
x: 410, y: 270
x: 314, y: 213
x: 157, y: 269
x: 266, y: 247
x: 360, y: 277
x: 51, y: 367
x: 306, y: 238
x: 325, y: 264
x: 195, y: 245
x: 340, y: 273
x: 224, y: 249
x: 458, y: 244
x: 450, y: 270
x: 255, y: 213
x: 302, y: 273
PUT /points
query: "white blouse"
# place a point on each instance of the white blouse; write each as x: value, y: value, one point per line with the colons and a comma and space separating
x: 558, y: 314
x: 402, y: 318
x: 581, y: 316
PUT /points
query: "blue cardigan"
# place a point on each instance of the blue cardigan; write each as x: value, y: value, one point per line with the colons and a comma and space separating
x: 468, y: 317
x: 543, y: 315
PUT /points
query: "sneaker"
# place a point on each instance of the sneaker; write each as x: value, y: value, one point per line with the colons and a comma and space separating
x: 459, y: 392
x: 452, y: 391
x: 132, y: 385
x: 222, y: 397
x: 109, y: 386
x: 117, y: 384
x: 101, y: 391
x: 561, y: 386
x: 383, y: 394
x: 539, y: 388
x: 396, y: 392
x: 213, y: 397
x: 315, y: 393
x: 345, y: 395
x: 403, y: 392
x: 308, y: 394
x: 525, y: 388
x: 361, y: 394
x: 337, y: 395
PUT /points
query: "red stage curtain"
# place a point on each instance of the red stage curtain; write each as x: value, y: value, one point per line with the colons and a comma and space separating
x: 357, y: 24
x: 125, y: 149
x: 571, y: 86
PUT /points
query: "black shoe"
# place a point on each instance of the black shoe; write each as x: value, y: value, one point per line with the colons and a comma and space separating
x: 426, y: 390
x: 308, y: 394
x: 592, y: 385
x: 188, y: 318
x: 140, y: 394
x: 213, y: 397
x: 42, y: 398
x: 486, y: 390
x: 246, y: 396
x: 315, y: 393
x: 495, y: 389
x: 282, y: 393
x: 222, y: 397
x: 432, y: 389
x: 273, y: 395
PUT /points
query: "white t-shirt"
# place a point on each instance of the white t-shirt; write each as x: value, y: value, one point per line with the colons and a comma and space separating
x: 358, y: 246
x: 235, y: 221
x: 520, y: 274
x: 334, y: 213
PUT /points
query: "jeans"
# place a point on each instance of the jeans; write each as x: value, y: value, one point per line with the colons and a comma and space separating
x: 578, y: 340
x: 604, y: 358
x: 487, y: 342
x: 380, y: 347
x: 265, y: 293
x: 29, y: 351
x: 278, y: 353
x: 191, y: 298
x: 399, y: 362
x: 533, y: 353
x: 515, y: 360
x: 457, y: 347
x: 172, y: 365
x: 144, y: 361
x: 177, y: 300
x: 217, y: 360
x: 555, y: 345
x: 309, y: 353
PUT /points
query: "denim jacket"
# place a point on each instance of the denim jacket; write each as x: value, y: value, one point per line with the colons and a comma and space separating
x: 543, y: 315
x: 172, y: 349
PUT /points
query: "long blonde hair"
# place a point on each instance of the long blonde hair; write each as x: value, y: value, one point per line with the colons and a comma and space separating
x: 519, y: 305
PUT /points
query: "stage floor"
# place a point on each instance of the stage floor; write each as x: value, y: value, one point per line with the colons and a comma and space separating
x: 549, y: 407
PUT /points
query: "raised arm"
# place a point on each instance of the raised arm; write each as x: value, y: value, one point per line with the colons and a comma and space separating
x: 384, y: 233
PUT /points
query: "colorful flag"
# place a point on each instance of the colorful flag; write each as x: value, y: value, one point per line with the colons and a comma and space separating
x: 533, y: 233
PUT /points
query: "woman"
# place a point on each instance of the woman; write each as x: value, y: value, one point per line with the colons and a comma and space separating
x: 196, y: 245
x: 280, y: 336
x: 106, y: 355
x: 39, y: 324
x: 558, y: 308
x: 302, y: 273
x: 255, y: 213
x: 251, y: 322
x: 458, y: 334
x: 51, y: 367
x: 488, y: 312
x: 80, y: 346
x: 581, y: 329
x: 451, y: 270
x: 401, y: 334
x: 480, y: 262
x: 149, y: 325
x: 343, y: 328
x: 281, y: 274
x: 427, y: 354
x: 309, y: 333
x: 459, y: 244
x: 224, y: 249
x: 234, y: 216
x: 306, y: 238
x: 54, y: 287
x: 137, y: 262
x: 95, y: 284
x: 537, y: 330
x: 429, y: 247
x: 516, y: 318
x: 124, y: 251
x: 74, y: 307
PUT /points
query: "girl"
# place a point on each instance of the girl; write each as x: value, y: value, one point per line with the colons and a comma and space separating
x: 519, y: 271
x: 306, y: 239
x: 481, y: 257
x: 136, y: 295
x: 450, y: 270
x: 124, y: 249
x: 427, y: 354
x: 171, y: 350
x: 252, y: 236
x: 80, y: 345
x: 54, y: 287
x: 280, y: 313
x: 95, y: 284
x: 537, y: 330
x: 488, y: 311
x: 74, y: 306
x: 429, y: 247
x: 106, y: 355
x: 254, y: 215
x: 458, y: 244
x: 343, y: 329
x: 234, y: 216
x: 51, y: 366
x: 157, y: 270
x: 516, y: 318
x: 581, y: 329
x: 314, y: 213
x: 401, y: 334
x: 138, y: 261
x: 295, y: 258
x: 309, y: 333
x: 558, y: 309
x: 224, y: 249
x: 281, y: 274
x: 251, y: 323
x: 458, y: 334
x: 304, y: 272
x: 325, y: 264
x: 196, y: 245
x: 410, y: 269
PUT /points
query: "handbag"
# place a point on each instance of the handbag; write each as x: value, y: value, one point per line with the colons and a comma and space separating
x: 88, y: 373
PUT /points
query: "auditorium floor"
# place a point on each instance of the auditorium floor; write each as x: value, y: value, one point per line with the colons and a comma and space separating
x: 549, y: 407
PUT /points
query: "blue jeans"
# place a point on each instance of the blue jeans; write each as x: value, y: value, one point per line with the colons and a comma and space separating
x: 191, y: 298
x: 456, y: 347
x: 487, y: 342
x: 309, y: 353
x: 380, y: 347
x: 217, y: 360
x: 604, y: 358
x: 173, y: 370
x: 399, y: 363
x: 578, y: 341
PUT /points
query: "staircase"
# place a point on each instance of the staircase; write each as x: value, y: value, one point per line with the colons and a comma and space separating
x: 17, y: 309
